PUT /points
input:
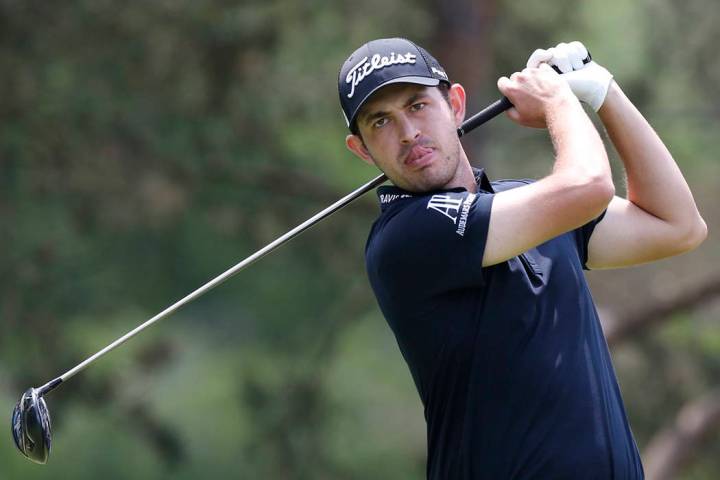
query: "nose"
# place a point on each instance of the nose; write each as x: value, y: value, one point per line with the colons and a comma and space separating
x: 409, y: 131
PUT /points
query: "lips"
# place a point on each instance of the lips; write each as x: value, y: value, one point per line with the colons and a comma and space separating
x: 418, y: 156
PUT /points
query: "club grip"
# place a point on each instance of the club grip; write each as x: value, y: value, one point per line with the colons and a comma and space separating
x: 495, y: 109
x: 586, y: 60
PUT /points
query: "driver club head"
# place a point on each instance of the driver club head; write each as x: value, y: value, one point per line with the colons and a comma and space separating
x: 31, y: 426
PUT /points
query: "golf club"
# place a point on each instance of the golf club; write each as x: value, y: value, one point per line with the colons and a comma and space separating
x: 31, y: 426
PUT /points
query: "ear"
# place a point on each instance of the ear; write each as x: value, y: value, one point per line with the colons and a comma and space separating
x: 356, y: 145
x: 456, y: 95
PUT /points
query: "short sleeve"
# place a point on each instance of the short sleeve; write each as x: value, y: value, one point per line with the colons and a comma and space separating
x: 582, y: 238
x: 433, y: 245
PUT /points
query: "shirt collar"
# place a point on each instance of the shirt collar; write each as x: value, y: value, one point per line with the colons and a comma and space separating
x: 482, y: 180
x: 389, y: 194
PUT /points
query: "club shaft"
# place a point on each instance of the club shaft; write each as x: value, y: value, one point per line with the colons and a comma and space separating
x: 476, y: 120
x: 487, y: 113
x: 221, y: 278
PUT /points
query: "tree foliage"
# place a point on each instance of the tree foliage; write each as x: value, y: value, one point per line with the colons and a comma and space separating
x: 147, y: 146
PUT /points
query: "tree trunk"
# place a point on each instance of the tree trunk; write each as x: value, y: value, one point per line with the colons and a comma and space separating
x: 619, y: 327
x: 673, y: 448
x: 462, y: 41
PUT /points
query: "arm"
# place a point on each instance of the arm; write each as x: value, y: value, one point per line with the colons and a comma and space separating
x: 580, y: 185
x: 659, y: 218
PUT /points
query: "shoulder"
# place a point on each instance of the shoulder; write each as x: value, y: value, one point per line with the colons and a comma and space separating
x: 392, y: 233
x: 424, y: 213
x: 443, y: 218
x: 509, y: 184
x: 399, y: 217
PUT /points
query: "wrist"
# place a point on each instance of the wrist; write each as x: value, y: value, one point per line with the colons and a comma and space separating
x: 561, y: 103
x: 613, y: 98
x: 569, y: 125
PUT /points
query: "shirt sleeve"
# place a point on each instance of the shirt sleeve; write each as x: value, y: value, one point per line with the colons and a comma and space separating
x: 582, y: 239
x: 434, y: 245
x: 581, y: 235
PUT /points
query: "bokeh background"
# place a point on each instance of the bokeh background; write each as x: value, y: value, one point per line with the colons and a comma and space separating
x: 146, y: 146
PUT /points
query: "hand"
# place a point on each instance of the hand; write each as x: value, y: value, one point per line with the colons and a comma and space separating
x: 589, y: 82
x: 534, y: 93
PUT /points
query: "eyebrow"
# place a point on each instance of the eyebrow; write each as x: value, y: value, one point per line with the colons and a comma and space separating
x: 369, y: 117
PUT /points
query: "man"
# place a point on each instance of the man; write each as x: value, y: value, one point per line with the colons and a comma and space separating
x: 482, y: 282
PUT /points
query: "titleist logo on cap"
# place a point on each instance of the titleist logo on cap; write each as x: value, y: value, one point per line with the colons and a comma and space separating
x: 364, y: 67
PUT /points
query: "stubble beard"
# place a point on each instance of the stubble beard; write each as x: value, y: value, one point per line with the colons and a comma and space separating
x: 437, y: 176
x: 442, y: 172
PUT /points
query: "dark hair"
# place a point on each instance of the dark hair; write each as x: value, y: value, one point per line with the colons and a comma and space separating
x: 444, y: 91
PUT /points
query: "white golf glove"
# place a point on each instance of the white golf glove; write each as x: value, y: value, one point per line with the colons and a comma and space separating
x: 589, y: 82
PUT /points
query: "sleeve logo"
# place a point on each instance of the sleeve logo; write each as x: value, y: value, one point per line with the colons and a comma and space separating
x: 452, y: 208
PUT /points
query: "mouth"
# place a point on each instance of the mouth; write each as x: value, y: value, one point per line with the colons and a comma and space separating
x: 419, y: 157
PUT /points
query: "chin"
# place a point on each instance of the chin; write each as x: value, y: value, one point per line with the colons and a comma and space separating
x: 429, y: 183
x: 438, y: 178
x: 435, y: 176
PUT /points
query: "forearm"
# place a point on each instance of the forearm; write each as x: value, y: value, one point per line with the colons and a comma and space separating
x: 654, y: 181
x: 579, y: 150
x: 580, y: 185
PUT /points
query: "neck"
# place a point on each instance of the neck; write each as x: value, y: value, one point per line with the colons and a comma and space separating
x: 464, y: 176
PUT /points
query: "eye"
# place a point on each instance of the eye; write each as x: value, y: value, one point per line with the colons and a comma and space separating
x: 417, y: 106
x: 380, y: 122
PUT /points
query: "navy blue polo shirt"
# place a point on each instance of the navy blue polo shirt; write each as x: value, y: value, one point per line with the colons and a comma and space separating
x: 509, y: 360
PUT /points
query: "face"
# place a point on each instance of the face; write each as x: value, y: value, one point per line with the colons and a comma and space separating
x: 410, y: 132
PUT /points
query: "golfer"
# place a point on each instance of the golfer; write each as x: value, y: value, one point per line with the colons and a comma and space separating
x: 482, y: 282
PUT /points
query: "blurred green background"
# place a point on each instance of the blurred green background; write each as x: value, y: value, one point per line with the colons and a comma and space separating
x: 147, y: 146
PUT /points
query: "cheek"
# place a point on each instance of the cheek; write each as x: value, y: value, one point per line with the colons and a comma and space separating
x: 382, y: 151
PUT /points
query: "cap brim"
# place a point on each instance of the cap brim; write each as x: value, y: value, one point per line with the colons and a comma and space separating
x: 429, y: 82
